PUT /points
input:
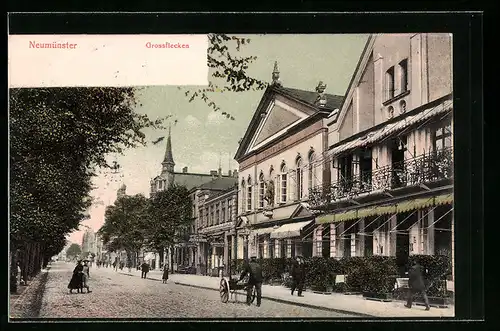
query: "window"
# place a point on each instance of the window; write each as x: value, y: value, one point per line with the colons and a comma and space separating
x: 311, y: 176
x: 442, y: 136
x: 262, y: 188
x: 389, y: 83
x: 402, y: 106
x: 345, y: 172
x: 223, y: 213
x: 230, y: 210
x: 206, y: 216
x: 217, y: 214
x: 243, y: 193
x: 283, y: 183
x: 271, y: 177
x: 365, y: 168
x: 390, y: 112
x: 300, y: 176
x: 211, y: 215
x: 249, y: 194
x: 403, y: 75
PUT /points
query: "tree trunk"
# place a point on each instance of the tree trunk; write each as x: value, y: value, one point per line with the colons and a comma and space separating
x: 13, y: 271
x: 172, y: 259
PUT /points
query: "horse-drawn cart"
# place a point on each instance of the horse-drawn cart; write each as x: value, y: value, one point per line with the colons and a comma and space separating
x: 230, y: 287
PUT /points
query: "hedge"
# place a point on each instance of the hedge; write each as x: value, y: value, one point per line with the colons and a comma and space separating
x: 373, y: 274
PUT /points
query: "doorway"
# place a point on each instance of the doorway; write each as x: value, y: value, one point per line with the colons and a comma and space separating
x: 398, y: 150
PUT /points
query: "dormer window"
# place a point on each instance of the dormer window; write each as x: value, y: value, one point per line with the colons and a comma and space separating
x: 390, y: 111
x: 402, y: 106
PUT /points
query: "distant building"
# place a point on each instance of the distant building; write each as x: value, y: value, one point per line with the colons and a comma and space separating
x: 88, y: 242
x: 169, y: 176
x: 185, y: 251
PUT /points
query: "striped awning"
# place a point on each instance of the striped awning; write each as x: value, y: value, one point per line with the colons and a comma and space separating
x: 400, y: 207
x: 446, y: 199
x: 346, y: 216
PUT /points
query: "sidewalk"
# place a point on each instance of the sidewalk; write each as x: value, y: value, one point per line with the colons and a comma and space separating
x: 27, y: 301
x: 352, y: 304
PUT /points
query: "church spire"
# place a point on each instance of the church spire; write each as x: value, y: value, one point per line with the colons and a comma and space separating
x: 168, y: 161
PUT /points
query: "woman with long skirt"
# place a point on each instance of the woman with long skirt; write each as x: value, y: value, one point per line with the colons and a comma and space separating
x: 76, y: 282
x: 86, y: 276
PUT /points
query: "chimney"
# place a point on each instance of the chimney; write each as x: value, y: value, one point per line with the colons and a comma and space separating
x: 220, y: 172
x: 229, y: 173
x: 235, y: 173
x: 184, y: 170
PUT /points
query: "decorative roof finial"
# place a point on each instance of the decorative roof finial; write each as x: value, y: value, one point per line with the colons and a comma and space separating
x: 276, y: 74
x: 321, y: 100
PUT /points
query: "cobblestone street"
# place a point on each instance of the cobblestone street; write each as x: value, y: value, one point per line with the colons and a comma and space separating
x: 115, y: 295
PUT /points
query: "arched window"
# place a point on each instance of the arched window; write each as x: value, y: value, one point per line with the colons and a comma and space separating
x: 300, y: 178
x: 283, y: 183
x: 311, y: 176
x: 243, y: 192
x: 262, y: 190
x: 249, y: 194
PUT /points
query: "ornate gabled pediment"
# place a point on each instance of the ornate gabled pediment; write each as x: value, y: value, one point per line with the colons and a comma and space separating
x: 274, y: 122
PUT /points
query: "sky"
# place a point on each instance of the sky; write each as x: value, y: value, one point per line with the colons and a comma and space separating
x: 203, y: 139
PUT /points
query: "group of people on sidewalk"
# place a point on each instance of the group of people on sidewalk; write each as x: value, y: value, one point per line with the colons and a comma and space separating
x: 253, y: 270
x: 79, y: 279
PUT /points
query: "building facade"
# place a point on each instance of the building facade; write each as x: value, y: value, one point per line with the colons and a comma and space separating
x: 216, y: 216
x: 280, y: 159
x: 88, y: 242
x: 391, y: 154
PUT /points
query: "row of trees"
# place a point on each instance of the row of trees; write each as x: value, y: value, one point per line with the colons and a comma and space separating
x: 59, y: 137
x: 135, y: 222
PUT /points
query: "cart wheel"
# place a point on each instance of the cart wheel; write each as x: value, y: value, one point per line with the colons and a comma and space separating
x: 224, y: 291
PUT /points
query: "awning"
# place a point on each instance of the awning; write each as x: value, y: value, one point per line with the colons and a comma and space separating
x: 366, y: 212
x: 346, y: 216
x: 384, y: 210
x: 446, y: 199
x: 324, y: 219
x: 262, y: 231
x: 399, y: 207
x: 394, y: 127
x: 289, y: 230
x: 414, y: 204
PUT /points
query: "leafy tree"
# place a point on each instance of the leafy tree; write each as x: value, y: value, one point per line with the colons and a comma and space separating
x: 58, y: 138
x: 125, y: 224
x: 228, y: 70
x: 170, y: 215
x: 73, y: 251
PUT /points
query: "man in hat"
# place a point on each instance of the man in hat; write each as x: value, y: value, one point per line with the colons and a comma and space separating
x: 254, y: 269
x: 298, y: 275
x: 416, y: 284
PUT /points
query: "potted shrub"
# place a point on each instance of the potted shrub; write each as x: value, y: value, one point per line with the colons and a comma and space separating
x: 380, y: 276
x: 354, y: 269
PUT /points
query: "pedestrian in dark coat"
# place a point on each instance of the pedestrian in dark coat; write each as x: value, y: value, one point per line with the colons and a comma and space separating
x: 253, y: 269
x: 76, y: 282
x: 298, y: 275
x: 416, y: 284
x: 144, y: 269
x: 165, y: 274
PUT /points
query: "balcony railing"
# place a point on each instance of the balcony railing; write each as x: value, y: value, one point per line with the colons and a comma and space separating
x: 425, y: 168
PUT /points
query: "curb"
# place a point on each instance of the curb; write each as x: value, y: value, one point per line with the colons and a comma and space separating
x: 305, y: 305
